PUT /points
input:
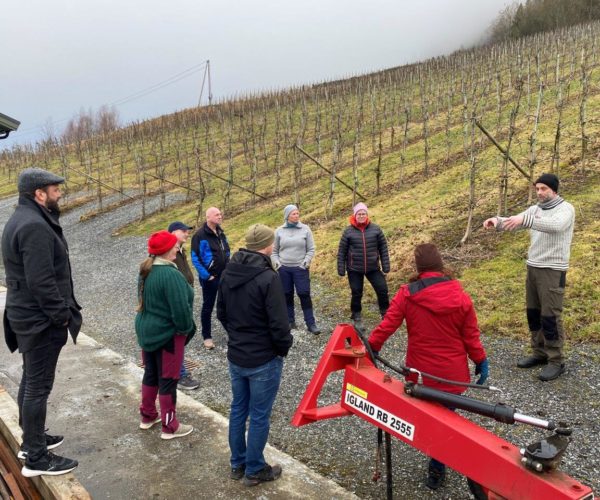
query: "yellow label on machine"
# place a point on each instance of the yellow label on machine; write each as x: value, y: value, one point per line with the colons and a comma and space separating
x: 355, y: 390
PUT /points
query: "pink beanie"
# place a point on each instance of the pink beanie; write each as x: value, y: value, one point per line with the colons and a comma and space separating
x: 360, y: 206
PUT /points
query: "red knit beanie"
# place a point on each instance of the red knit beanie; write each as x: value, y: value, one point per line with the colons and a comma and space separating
x: 428, y: 258
x: 161, y: 242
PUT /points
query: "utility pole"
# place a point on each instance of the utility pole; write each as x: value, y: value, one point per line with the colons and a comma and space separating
x: 206, y: 73
x: 209, y: 82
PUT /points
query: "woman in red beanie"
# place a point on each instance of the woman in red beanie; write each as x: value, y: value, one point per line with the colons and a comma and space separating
x: 442, y: 331
x: 164, y: 324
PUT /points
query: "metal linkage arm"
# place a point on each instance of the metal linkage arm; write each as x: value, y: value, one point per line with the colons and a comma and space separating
x: 381, y: 400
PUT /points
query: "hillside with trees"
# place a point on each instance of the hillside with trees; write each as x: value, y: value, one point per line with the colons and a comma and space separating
x: 414, y: 142
x: 521, y: 19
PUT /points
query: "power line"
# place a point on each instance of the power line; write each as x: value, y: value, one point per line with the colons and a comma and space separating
x: 165, y: 83
x: 136, y: 95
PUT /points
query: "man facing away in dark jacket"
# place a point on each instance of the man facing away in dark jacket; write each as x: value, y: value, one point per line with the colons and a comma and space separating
x: 40, y: 308
x: 251, y: 306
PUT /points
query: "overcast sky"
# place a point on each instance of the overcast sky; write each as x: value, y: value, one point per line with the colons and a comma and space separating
x: 59, y: 56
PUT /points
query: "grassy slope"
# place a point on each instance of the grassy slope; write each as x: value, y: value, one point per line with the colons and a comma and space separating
x: 433, y: 208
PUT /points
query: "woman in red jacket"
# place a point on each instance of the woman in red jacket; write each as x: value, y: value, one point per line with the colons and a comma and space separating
x: 442, y: 331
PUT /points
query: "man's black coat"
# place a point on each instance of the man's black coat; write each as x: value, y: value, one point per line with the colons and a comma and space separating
x: 38, y: 276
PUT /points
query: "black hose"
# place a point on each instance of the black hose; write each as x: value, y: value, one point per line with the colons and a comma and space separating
x: 404, y: 370
x: 388, y: 437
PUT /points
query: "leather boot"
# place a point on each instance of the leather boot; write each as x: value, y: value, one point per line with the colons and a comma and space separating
x: 531, y: 361
x: 435, y: 477
x: 357, y: 321
x: 551, y: 372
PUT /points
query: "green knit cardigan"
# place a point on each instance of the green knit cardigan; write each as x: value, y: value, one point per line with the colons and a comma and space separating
x: 168, y: 308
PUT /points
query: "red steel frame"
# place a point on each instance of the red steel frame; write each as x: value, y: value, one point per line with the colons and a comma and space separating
x: 431, y: 428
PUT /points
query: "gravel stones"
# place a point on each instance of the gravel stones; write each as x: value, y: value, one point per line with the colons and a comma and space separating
x: 105, y: 274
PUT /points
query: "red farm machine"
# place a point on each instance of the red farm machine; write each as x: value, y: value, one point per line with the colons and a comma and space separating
x: 418, y: 416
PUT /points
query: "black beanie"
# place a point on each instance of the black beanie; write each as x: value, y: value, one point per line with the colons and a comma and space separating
x: 550, y: 180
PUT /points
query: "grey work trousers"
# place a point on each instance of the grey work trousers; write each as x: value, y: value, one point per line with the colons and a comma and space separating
x: 545, y: 290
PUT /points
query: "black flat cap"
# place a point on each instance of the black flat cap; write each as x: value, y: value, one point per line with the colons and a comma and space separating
x: 34, y: 178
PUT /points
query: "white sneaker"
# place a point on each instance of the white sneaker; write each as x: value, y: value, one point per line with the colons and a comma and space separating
x: 182, y: 430
x: 209, y: 344
x: 148, y: 425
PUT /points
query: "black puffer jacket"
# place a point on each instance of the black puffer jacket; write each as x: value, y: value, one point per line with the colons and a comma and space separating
x: 362, y: 250
x: 251, y: 307
x: 38, y: 275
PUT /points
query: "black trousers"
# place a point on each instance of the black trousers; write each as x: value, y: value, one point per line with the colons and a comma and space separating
x: 39, y: 368
x: 209, y: 297
x: 377, y: 280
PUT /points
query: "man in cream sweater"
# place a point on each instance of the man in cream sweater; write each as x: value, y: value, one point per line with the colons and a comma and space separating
x: 551, y: 223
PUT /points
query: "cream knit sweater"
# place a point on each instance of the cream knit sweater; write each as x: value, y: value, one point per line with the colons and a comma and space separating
x: 551, y: 230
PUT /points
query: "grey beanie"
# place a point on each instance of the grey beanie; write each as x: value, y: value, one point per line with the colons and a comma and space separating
x: 259, y: 236
x: 34, y: 178
x: 287, y: 211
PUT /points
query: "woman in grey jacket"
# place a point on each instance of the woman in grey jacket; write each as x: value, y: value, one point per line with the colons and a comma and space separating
x: 293, y: 250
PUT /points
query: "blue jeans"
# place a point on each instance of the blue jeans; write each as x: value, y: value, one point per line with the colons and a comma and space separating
x: 254, y: 391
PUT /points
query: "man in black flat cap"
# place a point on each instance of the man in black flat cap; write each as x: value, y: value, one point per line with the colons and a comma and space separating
x: 551, y: 222
x: 40, y: 310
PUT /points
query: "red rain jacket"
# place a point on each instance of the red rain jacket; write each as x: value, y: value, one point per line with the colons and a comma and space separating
x: 442, y: 330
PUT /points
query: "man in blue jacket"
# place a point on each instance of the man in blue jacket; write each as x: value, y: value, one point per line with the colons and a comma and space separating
x: 40, y: 310
x: 210, y: 255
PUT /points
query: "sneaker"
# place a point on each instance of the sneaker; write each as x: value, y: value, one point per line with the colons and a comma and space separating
x: 269, y: 473
x: 49, y: 465
x: 51, y: 443
x: 209, y: 344
x: 182, y: 430
x: 187, y: 383
x: 435, y: 478
x: 314, y: 329
x: 149, y: 424
x: 238, y: 472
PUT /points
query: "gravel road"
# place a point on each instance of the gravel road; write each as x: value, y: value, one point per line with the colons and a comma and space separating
x: 105, y: 270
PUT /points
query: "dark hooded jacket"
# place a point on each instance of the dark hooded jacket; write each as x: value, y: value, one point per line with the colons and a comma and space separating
x: 251, y: 307
x: 38, y: 276
x: 362, y: 248
x: 442, y: 329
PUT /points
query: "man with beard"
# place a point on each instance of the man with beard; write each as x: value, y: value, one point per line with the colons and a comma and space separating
x: 40, y: 309
x: 551, y: 223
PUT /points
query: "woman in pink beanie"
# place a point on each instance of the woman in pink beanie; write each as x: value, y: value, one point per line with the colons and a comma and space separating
x: 363, y: 252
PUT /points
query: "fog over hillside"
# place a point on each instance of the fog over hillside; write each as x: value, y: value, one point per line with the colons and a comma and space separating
x: 65, y: 56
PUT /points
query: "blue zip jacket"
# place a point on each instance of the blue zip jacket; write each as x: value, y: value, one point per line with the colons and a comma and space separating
x: 210, y: 252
